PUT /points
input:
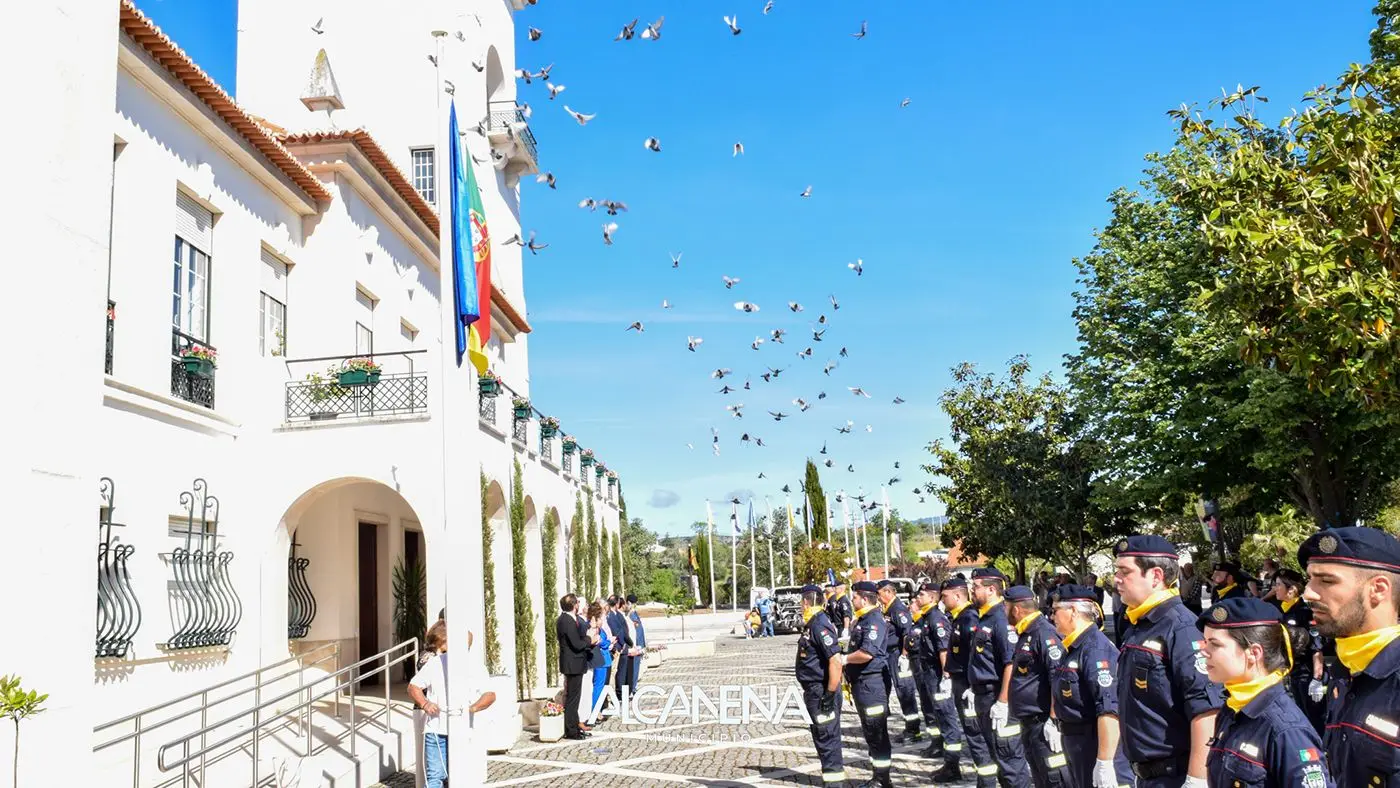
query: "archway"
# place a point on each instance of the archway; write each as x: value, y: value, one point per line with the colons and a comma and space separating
x: 497, y: 512
x: 534, y: 578
x: 495, y: 77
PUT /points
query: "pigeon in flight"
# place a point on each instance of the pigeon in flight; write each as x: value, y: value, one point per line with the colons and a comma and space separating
x: 794, y: 306
x: 756, y: 342
x: 729, y: 282
x: 627, y: 31
x: 319, y: 28
x: 835, y: 305
x: 733, y: 22
x: 830, y: 365
x: 801, y: 404
x: 845, y: 430
x: 817, y: 335
x: 737, y: 411
x: 896, y: 464
x: 807, y: 192
x: 829, y: 463
x: 720, y: 373
x: 758, y: 441
x: 613, y: 206
x: 775, y: 372
x: 579, y: 116
x: 843, y: 353
x: 665, y: 304
x: 768, y: 6
x: 893, y: 481
x: 653, y: 30
x: 743, y: 439
x: 857, y: 36
x: 745, y: 306
x: 779, y: 416
x: 554, y: 89
x: 869, y: 428
x: 432, y: 59
x: 637, y: 325
x: 652, y: 144
x: 546, y: 177
x: 904, y: 103
x: 747, y: 387
x: 821, y: 320
x: 738, y: 149
x: 899, y: 400
x: 823, y: 451
x: 787, y: 488
x: 479, y: 65
x: 514, y: 239
x: 726, y: 390
x: 535, y: 33
x: 676, y: 260
x: 533, y: 246
x: 858, y: 391
x: 821, y: 395
x: 589, y: 203
x: 608, y: 230
x: 858, y: 266
x: 778, y: 335
x: 804, y: 354
x: 692, y: 342
x: 761, y: 475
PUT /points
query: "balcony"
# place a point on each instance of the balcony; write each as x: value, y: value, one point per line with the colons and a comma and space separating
x: 190, y: 381
x: 512, y: 142
x: 557, y: 451
x: 397, y: 389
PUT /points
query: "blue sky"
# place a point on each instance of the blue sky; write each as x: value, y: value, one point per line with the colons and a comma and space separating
x: 967, y: 206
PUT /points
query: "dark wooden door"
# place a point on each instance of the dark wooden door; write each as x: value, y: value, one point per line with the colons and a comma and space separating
x: 369, y: 595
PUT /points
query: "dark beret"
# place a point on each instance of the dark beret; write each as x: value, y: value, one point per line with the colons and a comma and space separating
x: 1291, y: 576
x: 865, y: 586
x: 811, y: 589
x: 1019, y: 594
x: 1070, y: 592
x: 956, y: 581
x: 631, y: 599
x: 930, y: 588
x: 988, y: 572
x: 884, y: 583
x: 1243, y: 611
x: 1146, y: 546
x: 1355, y: 545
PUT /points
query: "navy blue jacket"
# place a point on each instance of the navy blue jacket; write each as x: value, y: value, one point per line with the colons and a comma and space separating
x: 815, y: 648
x: 1268, y: 744
x: 993, y: 640
x: 1083, y: 688
x: 927, y: 638
x: 897, y: 616
x: 1038, y: 653
x: 960, y: 643
x: 1363, y: 722
x: 1162, y: 683
x: 868, y: 635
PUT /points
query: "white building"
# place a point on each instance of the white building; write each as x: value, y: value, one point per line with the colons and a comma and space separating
x: 256, y: 510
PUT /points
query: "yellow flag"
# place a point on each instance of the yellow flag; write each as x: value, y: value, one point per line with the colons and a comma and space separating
x: 789, y: 515
x: 475, y: 351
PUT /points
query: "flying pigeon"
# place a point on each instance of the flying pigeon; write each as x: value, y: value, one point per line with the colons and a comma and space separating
x: 579, y: 116
x: 896, y: 464
x: 845, y: 430
x: 589, y: 203
x: 613, y: 206
x: 829, y: 463
x: 821, y: 320
x: 821, y: 395
x: 775, y: 372
x: 858, y: 266
x: 858, y: 391
x: 857, y: 36
x: 318, y: 28
x: 652, y: 144
x: 432, y: 59
x: 729, y: 282
x: 738, y: 148
x: 823, y: 451
x: 817, y: 335
x: 761, y: 475
x: 545, y: 177
x: 554, y: 90
x: 756, y: 342
x: 514, y: 239
x: 676, y: 260
x: 745, y: 306
x: 636, y: 325
x: 779, y: 416
x: 533, y: 246
x: 736, y: 410
x: 758, y: 441
x: 665, y: 304
x: 608, y: 230
x: 726, y: 390
x: 794, y: 306
x: 747, y: 387
x: 787, y: 488
x: 843, y: 353
x: 478, y: 65
x: 893, y: 481
x: 653, y: 30
x: 627, y: 30
x: 733, y: 22
x: 720, y: 373
x: 744, y: 439
x: 830, y: 365
x: 850, y: 469
x: 807, y: 192
x: 778, y: 335
x: 768, y: 6
x: 834, y: 304
x: 544, y: 75
x: 534, y: 33
x: 904, y: 103
x: 869, y: 428
x: 802, y: 404
x: 692, y: 342
x: 804, y: 353
x: 899, y: 400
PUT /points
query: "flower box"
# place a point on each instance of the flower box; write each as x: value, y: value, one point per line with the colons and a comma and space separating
x: 551, y: 722
x: 585, y: 460
x: 520, y: 406
x: 198, y: 367
x: 357, y: 377
x: 549, y: 427
x: 569, y: 445
x: 488, y: 387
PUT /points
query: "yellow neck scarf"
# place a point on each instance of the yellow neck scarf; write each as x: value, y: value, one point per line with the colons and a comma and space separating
x: 1242, y: 692
x: 921, y: 612
x: 1288, y: 604
x: 1158, y: 597
x: 1357, y: 651
x: 987, y: 608
x: 865, y: 610
x: 1223, y: 590
x: 809, y: 612
x: 1073, y: 636
x: 958, y: 610
x: 1026, y: 622
x: 885, y: 606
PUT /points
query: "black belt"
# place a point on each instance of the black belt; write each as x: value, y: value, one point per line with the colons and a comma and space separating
x: 1164, y: 767
x: 983, y: 689
x: 1078, y: 728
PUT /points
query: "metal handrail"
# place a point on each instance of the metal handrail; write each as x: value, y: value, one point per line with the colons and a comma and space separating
x: 410, y: 653
x: 358, y: 355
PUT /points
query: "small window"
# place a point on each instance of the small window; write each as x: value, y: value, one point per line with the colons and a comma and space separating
x: 272, y: 327
x: 364, y: 340
x: 425, y: 173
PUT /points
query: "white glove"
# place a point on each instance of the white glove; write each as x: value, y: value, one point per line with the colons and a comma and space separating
x: 1195, y: 782
x: 1105, y: 776
x: 1316, y: 690
x: 1052, y: 736
x: 945, y: 686
x: 967, y: 699
x: 998, y: 715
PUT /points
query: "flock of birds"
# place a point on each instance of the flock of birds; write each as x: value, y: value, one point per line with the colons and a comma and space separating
x: 805, y: 349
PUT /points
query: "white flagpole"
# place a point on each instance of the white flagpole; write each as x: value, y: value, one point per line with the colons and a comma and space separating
x: 710, y: 554
x: 792, y: 576
x: 734, y: 556
x: 846, y: 525
x: 885, y: 494
x: 769, y: 533
x: 864, y: 537
x: 753, y: 566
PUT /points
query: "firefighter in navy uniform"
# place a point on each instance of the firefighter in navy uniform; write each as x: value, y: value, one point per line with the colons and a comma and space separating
x: 1307, y: 682
x: 1230, y: 581
x: 865, y: 670
x: 989, y: 672
x: 1038, y: 654
x: 1354, y: 588
x: 1262, y: 739
x: 1166, y: 705
x: 1082, y: 695
x: 900, y: 680
x: 819, y: 673
x: 963, y: 616
x: 927, y: 645
x: 838, y: 608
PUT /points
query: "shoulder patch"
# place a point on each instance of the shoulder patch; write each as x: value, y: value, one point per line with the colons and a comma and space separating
x: 827, y: 640
x: 1054, y: 652
x: 1201, y: 662
x: 1104, y: 679
x: 941, y: 631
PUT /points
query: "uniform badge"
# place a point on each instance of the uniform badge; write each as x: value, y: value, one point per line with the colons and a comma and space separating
x: 1313, y: 777
x: 826, y: 639
x: 943, y: 633
x: 1201, y: 662
x: 1122, y: 545
x: 1327, y: 544
x: 1219, y: 614
x: 1104, y: 679
x: 1054, y: 652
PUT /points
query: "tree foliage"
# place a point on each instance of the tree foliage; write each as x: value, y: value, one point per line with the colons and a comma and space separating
x: 617, y: 576
x: 811, y: 561
x: 549, y: 545
x: 816, y: 501
x: 578, y: 548
x: 525, y: 625
x: 488, y: 595
x: 592, y: 568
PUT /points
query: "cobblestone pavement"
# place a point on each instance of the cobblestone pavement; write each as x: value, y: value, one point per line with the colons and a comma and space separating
x: 680, y: 750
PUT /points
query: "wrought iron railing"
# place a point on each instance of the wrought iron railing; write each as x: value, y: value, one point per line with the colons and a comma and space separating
x: 568, y: 462
x: 111, y: 325
x: 518, y: 429
x: 610, y: 493
x: 301, y: 603
x: 321, y: 396
x: 487, y: 408
x: 195, y: 386
x: 118, y: 610
x: 509, y: 117
x: 206, y: 608
x: 546, y: 447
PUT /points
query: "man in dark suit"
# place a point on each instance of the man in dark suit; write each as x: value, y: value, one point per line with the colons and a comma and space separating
x: 574, y: 652
x: 641, y: 638
x: 622, y: 643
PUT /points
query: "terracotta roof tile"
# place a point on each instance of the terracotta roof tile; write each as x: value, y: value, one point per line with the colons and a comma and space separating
x: 382, y: 163
x: 169, y: 55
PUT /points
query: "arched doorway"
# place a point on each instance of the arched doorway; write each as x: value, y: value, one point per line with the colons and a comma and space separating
x: 534, y: 579
x: 496, y: 510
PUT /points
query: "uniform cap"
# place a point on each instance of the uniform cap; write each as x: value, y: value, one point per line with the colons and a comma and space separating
x: 989, y: 571
x: 1019, y: 594
x: 864, y: 585
x: 811, y: 589
x: 1070, y: 592
x: 1354, y: 545
x: 1233, y: 570
x: 631, y: 599
x: 884, y: 583
x: 1240, y: 612
x: 1146, y: 546
x: 956, y: 581
x: 931, y: 588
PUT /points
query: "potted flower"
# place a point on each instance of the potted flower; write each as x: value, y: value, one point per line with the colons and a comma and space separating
x: 601, y: 469
x: 551, y: 721
x: 653, y: 655
x: 199, y: 361
x: 585, y: 457
x: 521, y: 408
x: 320, y: 390
x: 488, y: 384
x: 359, y: 372
x: 612, y: 477
x: 570, y: 443
x: 549, y: 427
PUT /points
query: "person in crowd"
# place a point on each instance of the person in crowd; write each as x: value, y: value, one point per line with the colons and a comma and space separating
x: 819, y: 675
x: 1037, y: 655
x: 896, y: 615
x: 1307, y: 681
x: 1229, y: 581
x: 1190, y: 586
x: 1083, y: 697
x: 864, y: 665
x: 765, y: 614
x: 839, y: 609
x: 639, y: 634
x: 989, y: 671
x: 575, y: 653
x: 963, y: 616
x: 622, y: 644
x: 428, y: 689
x: 602, y: 659
x: 1166, y: 704
x: 1264, y: 587
x: 752, y: 623
x: 1261, y: 737
x: 1354, y: 591
x: 927, y: 646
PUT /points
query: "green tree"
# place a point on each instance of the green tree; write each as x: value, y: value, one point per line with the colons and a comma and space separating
x: 816, y: 500
x: 524, y: 611
x: 592, y: 566
x: 18, y: 704
x: 550, y: 565
x: 578, y: 549
x: 638, y: 560
x: 488, y: 569
x: 704, y: 561
x: 617, y: 564
x: 812, y: 560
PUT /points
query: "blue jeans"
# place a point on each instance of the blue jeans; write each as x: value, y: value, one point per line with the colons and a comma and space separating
x: 768, y: 626
x: 434, y: 759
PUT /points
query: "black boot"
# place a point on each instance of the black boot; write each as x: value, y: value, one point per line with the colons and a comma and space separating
x: 934, y: 751
x: 880, y: 780
x: 950, y: 773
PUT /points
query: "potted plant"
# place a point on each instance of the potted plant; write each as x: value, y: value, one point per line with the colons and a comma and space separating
x: 570, y: 443
x: 410, y: 616
x: 359, y: 372
x: 19, y: 704
x: 549, y: 427
x: 653, y: 655
x: 612, y: 477
x: 585, y: 457
x: 320, y: 390
x: 199, y: 361
x: 601, y: 469
x: 551, y: 721
x: 521, y: 407
x: 488, y: 384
